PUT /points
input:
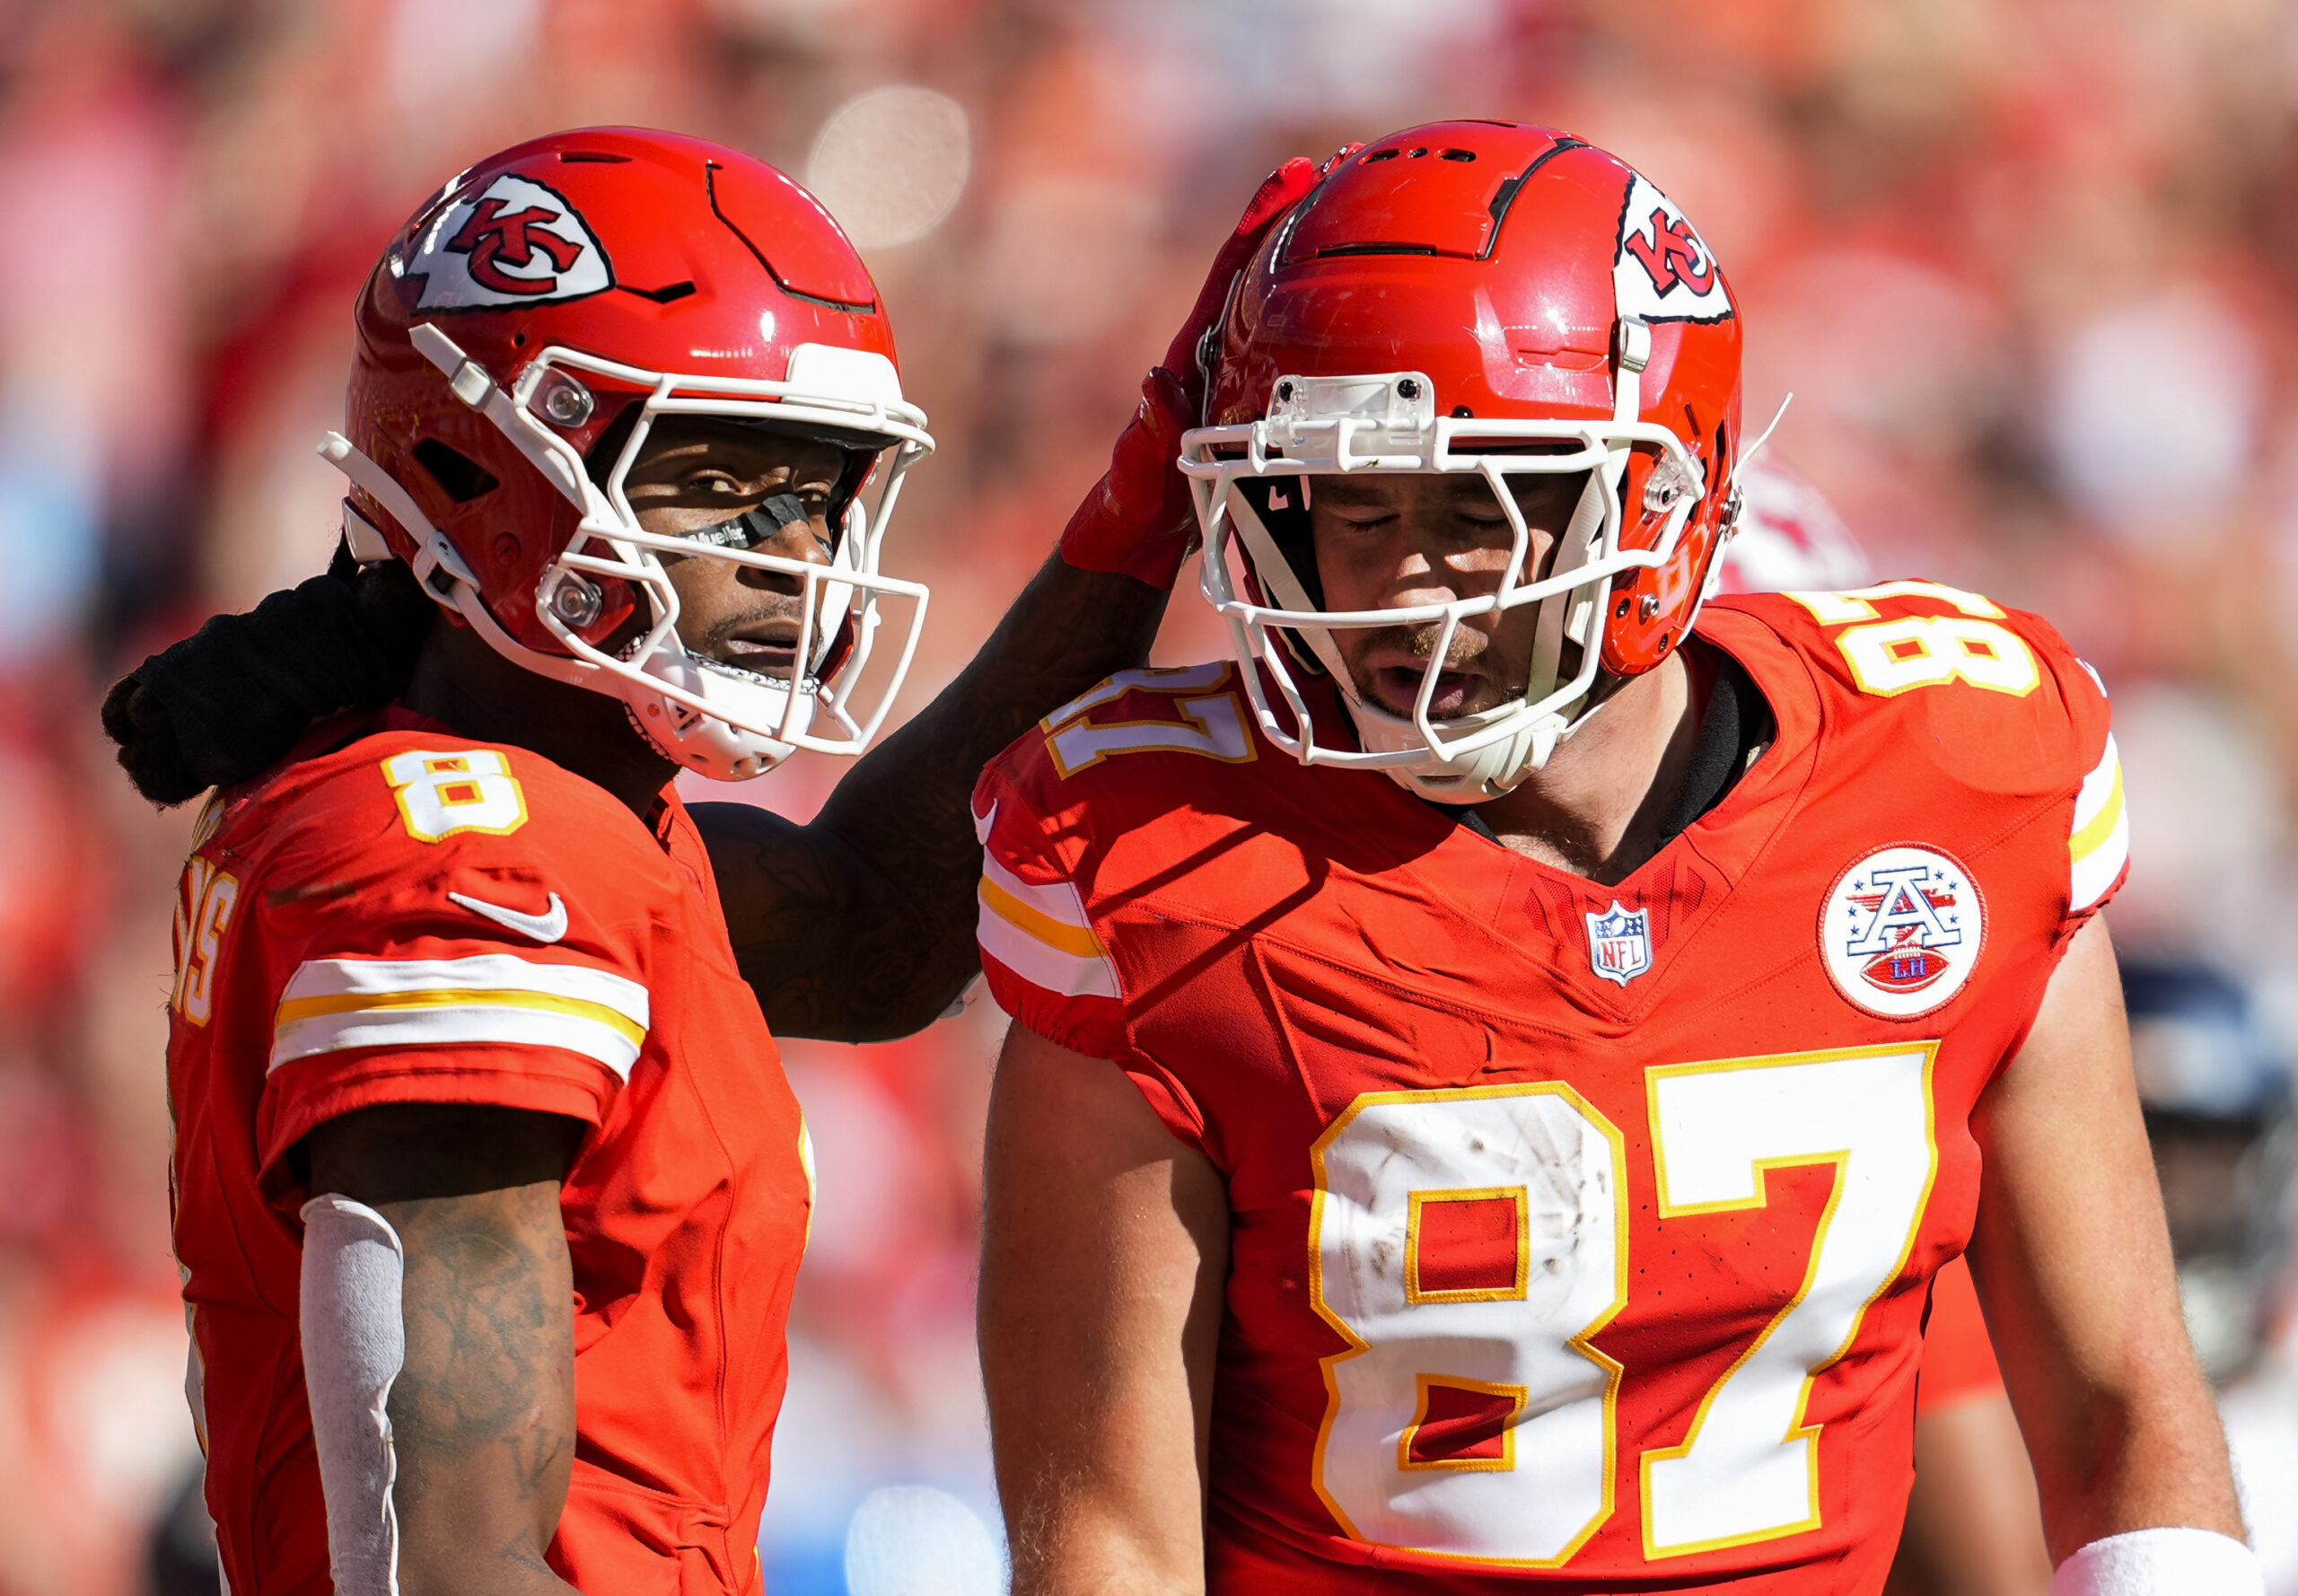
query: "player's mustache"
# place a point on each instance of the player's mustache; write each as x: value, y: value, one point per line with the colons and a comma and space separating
x: 1468, y: 645
x: 786, y: 609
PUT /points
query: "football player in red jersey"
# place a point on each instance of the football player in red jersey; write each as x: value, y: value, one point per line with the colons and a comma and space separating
x: 488, y: 1188
x: 1972, y: 1527
x: 1554, y: 1049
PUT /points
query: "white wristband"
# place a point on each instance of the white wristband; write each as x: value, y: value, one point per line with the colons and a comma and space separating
x: 2161, y: 1563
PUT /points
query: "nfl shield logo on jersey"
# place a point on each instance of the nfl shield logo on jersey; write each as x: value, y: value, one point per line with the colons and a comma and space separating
x: 1902, y: 931
x: 1619, y: 944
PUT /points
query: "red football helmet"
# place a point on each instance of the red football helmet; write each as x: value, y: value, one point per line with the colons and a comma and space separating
x: 1482, y: 297
x: 571, y: 290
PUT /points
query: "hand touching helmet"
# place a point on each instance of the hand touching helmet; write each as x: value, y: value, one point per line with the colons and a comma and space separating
x: 1138, y: 520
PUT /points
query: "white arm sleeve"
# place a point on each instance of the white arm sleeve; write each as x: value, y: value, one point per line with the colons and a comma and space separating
x: 354, y: 1343
x: 2161, y: 1563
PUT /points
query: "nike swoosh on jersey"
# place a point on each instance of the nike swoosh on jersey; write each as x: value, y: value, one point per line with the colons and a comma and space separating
x: 543, y: 928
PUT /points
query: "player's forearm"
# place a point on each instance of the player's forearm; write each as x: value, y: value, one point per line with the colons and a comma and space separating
x: 860, y: 927
x: 2073, y: 1262
x: 907, y: 809
x: 483, y: 1415
x: 2162, y: 1462
x: 482, y: 1405
x: 1097, y: 1553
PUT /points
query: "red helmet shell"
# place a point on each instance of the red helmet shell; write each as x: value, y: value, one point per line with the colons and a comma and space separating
x: 1498, y: 259
x: 651, y: 249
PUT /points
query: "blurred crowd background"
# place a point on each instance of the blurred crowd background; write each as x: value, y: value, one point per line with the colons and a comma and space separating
x: 2029, y: 267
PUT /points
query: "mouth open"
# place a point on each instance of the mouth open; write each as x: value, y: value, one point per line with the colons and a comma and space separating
x: 1396, y: 689
x: 768, y: 654
x: 763, y: 645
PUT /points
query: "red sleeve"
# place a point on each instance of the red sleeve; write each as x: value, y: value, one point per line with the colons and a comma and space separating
x: 1043, y: 952
x: 505, y: 967
x: 1958, y: 1359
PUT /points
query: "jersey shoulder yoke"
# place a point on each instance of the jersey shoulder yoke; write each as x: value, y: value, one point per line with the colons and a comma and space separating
x: 1925, y: 678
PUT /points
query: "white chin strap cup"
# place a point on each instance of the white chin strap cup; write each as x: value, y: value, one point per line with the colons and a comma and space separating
x: 2161, y: 1563
x: 1474, y: 778
x: 354, y: 1344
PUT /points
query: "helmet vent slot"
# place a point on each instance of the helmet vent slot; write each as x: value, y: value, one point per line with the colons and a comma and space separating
x: 661, y: 296
x: 463, y: 477
x: 1377, y: 248
x: 1506, y: 194
x: 575, y: 157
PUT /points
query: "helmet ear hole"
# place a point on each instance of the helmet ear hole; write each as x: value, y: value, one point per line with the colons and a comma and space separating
x: 463, y: 477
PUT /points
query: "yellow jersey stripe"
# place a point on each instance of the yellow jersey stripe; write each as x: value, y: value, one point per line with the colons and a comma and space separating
x: 298, y: 1009
x: 1076, y: 940
x: 2088, y: 839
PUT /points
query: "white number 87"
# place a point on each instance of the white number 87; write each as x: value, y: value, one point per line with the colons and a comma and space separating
x: 1890, y: 657
x: 1467, y: 1244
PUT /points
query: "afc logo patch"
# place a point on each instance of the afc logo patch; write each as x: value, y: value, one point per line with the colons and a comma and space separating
x: 1662, y: 271
x: 1619, y: 944
x: 517, y: 242
x: 1901, y: 930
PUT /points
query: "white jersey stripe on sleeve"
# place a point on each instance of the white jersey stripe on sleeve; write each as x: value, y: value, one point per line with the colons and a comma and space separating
x: 2098, y: 843
x: 1057, y: 901
x: 1064, y: 975
x: 1041, y: 932
x: 334, y: 1005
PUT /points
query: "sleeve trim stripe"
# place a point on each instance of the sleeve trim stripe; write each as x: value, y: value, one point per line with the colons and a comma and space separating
x: 497, y: 1021
x: 2099, y: 805
x: 297, y: 1010
x: 1049, y: 968
x: 1055, y: 934
x: 2096, y: 872
x: 2109, y: 820
x: 1056, y: 900
x: 481, y: 973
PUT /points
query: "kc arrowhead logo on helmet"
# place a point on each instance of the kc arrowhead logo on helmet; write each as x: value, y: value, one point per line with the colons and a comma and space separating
x: 1477, y: 297
x: 515, y: 348
x: 516, y: 242
x: 1664, y: 272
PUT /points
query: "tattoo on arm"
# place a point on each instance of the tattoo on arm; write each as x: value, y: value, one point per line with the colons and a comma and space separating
x: 483, y: 1330
x: 483, y: 1414
x: 859, y: 927
x: 483, y: 1410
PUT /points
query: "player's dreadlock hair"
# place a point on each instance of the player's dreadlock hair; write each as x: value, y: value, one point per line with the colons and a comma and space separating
x: 227, y: 702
